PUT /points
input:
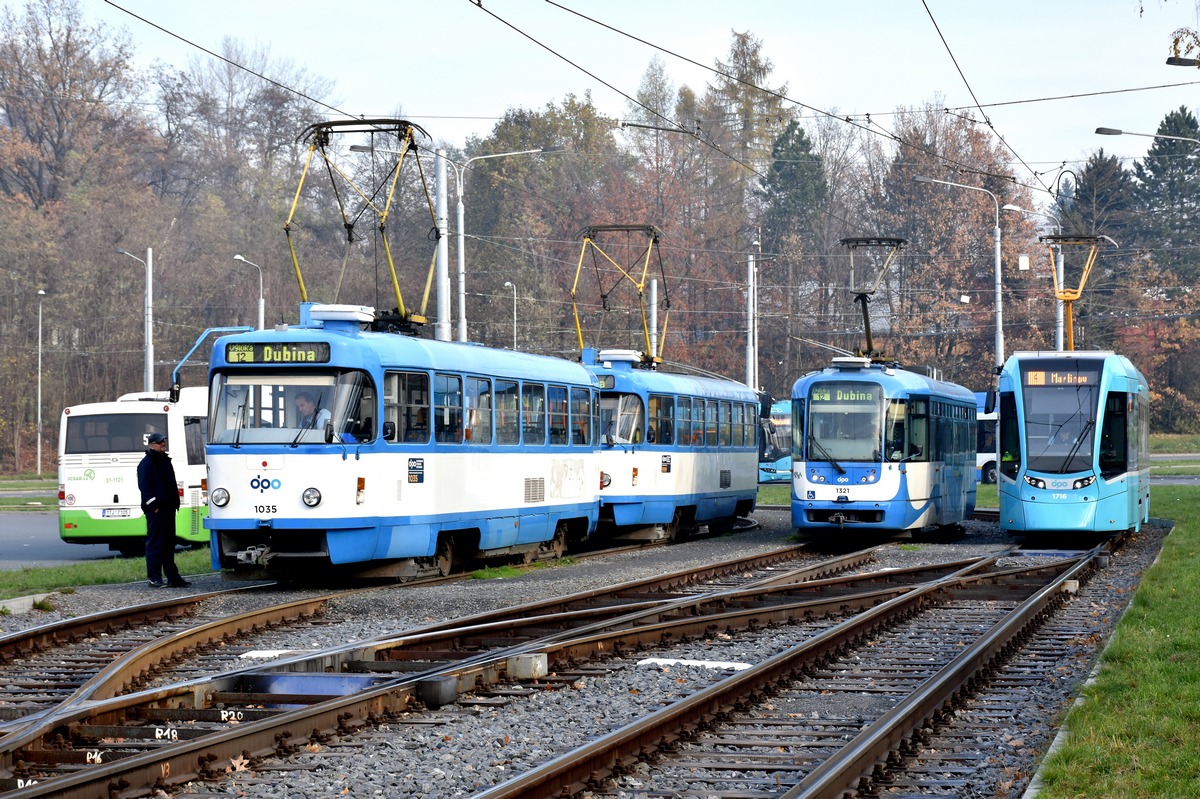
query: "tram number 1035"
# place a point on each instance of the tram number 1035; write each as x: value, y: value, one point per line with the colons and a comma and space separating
x: 266, y: 508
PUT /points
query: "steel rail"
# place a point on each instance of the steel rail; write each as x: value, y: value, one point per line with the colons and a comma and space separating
x: 377, y: 699
x: 588, y: 767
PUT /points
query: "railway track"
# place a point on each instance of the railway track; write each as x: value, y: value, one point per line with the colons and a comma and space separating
x: 163, y: 737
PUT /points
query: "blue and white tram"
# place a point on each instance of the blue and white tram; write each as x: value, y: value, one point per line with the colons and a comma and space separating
x: 418, y: 453
x: 879, y: 448
x: 1074, y: 438
x: 676, y: 451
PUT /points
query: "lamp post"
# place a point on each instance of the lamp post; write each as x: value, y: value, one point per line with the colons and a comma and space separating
x: 261, y: 306
x: 996, y: 236
x: 148, y: 311
x: 752, y: 318
x: 1058, y: 268
x: 41, y: 296
x: 459, y: 175
x: 508, y: 285
x: 1119, y: 132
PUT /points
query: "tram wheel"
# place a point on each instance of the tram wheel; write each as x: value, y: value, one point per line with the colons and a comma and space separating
x: 444, y: 557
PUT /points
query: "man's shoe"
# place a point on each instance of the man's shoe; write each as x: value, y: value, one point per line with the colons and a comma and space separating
x: 180, y: 583
x: 156, y: 583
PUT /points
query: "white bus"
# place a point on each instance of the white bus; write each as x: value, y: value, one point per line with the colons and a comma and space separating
x: 99, y: 447
x: 985, y: 445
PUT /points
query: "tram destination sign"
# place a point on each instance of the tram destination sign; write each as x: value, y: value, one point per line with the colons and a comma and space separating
x: 1064, y: 375
x: 278, y: 352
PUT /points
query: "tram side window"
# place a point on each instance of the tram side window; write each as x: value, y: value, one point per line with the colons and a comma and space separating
x: 738, y: 429
x: 508, y: 413
x: 581, y: 417
x: 1010, y: 436
x: 724, y: 424
x: 919, y: 437
x: 798, y: 436
x: 710, y: 423
x: 447, y: 409
x: 556, y: 397
x: 1114, y: 445
x: 406, y: 407
x: 894, y: 430
x: 662, y: 408
x: 685, y: 421
x: 478, y: 429
x: 533, y: 410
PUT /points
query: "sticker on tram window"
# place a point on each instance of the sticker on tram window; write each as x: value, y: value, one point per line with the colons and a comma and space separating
x: 278, y: 352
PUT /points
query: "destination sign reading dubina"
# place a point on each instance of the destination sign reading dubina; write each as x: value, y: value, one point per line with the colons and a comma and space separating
x: 845, y: 392
x: 280, y: 352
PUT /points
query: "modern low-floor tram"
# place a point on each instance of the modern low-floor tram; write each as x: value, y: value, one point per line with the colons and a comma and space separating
x: 1074, y: 443
x: 879, y: 448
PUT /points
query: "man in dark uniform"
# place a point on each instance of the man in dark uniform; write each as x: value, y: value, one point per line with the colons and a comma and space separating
x: 160, y: 500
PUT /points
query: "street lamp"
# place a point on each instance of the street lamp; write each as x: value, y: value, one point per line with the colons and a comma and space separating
x: 1058, y: 268
x: 41, y: 296
x: 509, y: 285
x: 459, y: 175
x: 752, y: 318
x: 261, y: 306
x: 996, y: 236
x: 148, y: 310
x: 1119, y: 132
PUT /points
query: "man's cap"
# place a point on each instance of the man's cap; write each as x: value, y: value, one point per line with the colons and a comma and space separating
x: 156, y: 438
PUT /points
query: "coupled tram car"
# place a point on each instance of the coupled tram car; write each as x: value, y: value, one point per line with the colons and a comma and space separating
x: 880, y: 448
x: 336, y: 446
x: 1074, y: 437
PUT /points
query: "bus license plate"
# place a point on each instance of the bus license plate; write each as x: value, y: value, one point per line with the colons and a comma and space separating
x: 115, y: 513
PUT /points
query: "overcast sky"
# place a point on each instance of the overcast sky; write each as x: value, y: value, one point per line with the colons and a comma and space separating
x: 454, y: 67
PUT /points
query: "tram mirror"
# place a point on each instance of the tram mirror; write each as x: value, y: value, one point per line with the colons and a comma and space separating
x: 389, y: 431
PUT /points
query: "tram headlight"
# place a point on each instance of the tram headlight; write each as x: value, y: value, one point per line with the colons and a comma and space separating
x: 1036, y: 482
x: 1084, y: 482
x: 311, y: 497
x: 605, y: 480
x: 219, y: 497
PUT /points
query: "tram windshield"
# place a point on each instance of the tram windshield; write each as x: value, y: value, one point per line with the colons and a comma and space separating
x: 292, y: 408
x: 844, y: 422
x: 622, y: 418
x: 1060, y: 415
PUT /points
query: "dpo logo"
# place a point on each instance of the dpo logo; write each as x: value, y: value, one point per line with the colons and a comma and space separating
x: 261, y: 484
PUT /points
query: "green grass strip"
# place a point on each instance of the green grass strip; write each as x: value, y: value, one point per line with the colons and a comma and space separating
x: 1137, y: 732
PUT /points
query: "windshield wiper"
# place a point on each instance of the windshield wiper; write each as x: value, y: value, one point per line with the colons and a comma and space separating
x: 238, y: 418
x: 312, y: 423
x: 1083, y: 431
x: 824, y: 453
